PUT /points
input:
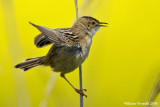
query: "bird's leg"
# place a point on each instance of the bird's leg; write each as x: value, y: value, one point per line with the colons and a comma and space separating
x: 77, y: 90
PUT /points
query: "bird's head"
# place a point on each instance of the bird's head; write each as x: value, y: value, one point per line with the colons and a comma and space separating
x: 90, y: 24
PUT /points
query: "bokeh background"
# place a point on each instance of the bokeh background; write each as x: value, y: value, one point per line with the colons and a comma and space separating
x: 123, y: 64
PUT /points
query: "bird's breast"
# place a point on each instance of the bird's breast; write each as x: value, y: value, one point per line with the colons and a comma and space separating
x: 66, y: 59
x: 85, y: 48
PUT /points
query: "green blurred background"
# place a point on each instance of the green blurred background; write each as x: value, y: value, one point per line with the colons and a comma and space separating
x: 122, y: 66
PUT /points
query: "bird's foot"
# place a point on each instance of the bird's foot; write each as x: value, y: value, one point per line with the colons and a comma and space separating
x: 81, y: 92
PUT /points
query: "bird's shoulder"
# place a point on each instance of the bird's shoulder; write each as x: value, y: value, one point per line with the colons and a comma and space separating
x: 68, y: 35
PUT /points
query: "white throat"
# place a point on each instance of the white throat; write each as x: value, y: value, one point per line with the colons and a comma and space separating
x: 93, y: 31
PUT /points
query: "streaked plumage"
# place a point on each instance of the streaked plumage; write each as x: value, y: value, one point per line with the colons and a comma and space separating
x: 70, y: 46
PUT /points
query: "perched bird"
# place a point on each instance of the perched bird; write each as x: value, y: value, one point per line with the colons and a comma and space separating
x: 70, y: 47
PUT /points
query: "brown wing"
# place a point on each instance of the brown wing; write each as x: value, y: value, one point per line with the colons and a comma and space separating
x: 47, y: 36
x: 41, y: 41
x: 69, y: 36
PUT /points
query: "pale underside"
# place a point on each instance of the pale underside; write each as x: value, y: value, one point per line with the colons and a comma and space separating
x: 70, y: 48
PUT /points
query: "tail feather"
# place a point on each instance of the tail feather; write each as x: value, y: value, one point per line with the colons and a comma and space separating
x: 30, y: 63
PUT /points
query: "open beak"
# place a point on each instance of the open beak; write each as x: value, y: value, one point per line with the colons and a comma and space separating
x: 102, y: 24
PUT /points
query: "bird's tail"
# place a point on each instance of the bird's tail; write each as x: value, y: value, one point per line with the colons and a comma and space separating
x: 30, y: 63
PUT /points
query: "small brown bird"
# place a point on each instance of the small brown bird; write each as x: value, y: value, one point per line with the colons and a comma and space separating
x: 70, y: 49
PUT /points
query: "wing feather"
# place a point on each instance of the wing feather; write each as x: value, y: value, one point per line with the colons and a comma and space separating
x: 50, y: 34
x: 41, y: 41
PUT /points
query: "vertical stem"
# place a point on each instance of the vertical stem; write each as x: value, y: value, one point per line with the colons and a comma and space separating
x: 80, y: 67
x: 76, y: 6
x: 80, y: 79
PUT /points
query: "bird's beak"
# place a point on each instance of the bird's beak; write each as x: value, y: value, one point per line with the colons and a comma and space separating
x: 102, y: 24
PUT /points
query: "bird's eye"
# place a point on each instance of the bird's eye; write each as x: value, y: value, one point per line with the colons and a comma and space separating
x: 93, y: 23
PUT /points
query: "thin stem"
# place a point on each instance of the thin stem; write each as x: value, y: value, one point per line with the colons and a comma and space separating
x: 80, y: 79
x: 76, y: 6
x: 80, y: 67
